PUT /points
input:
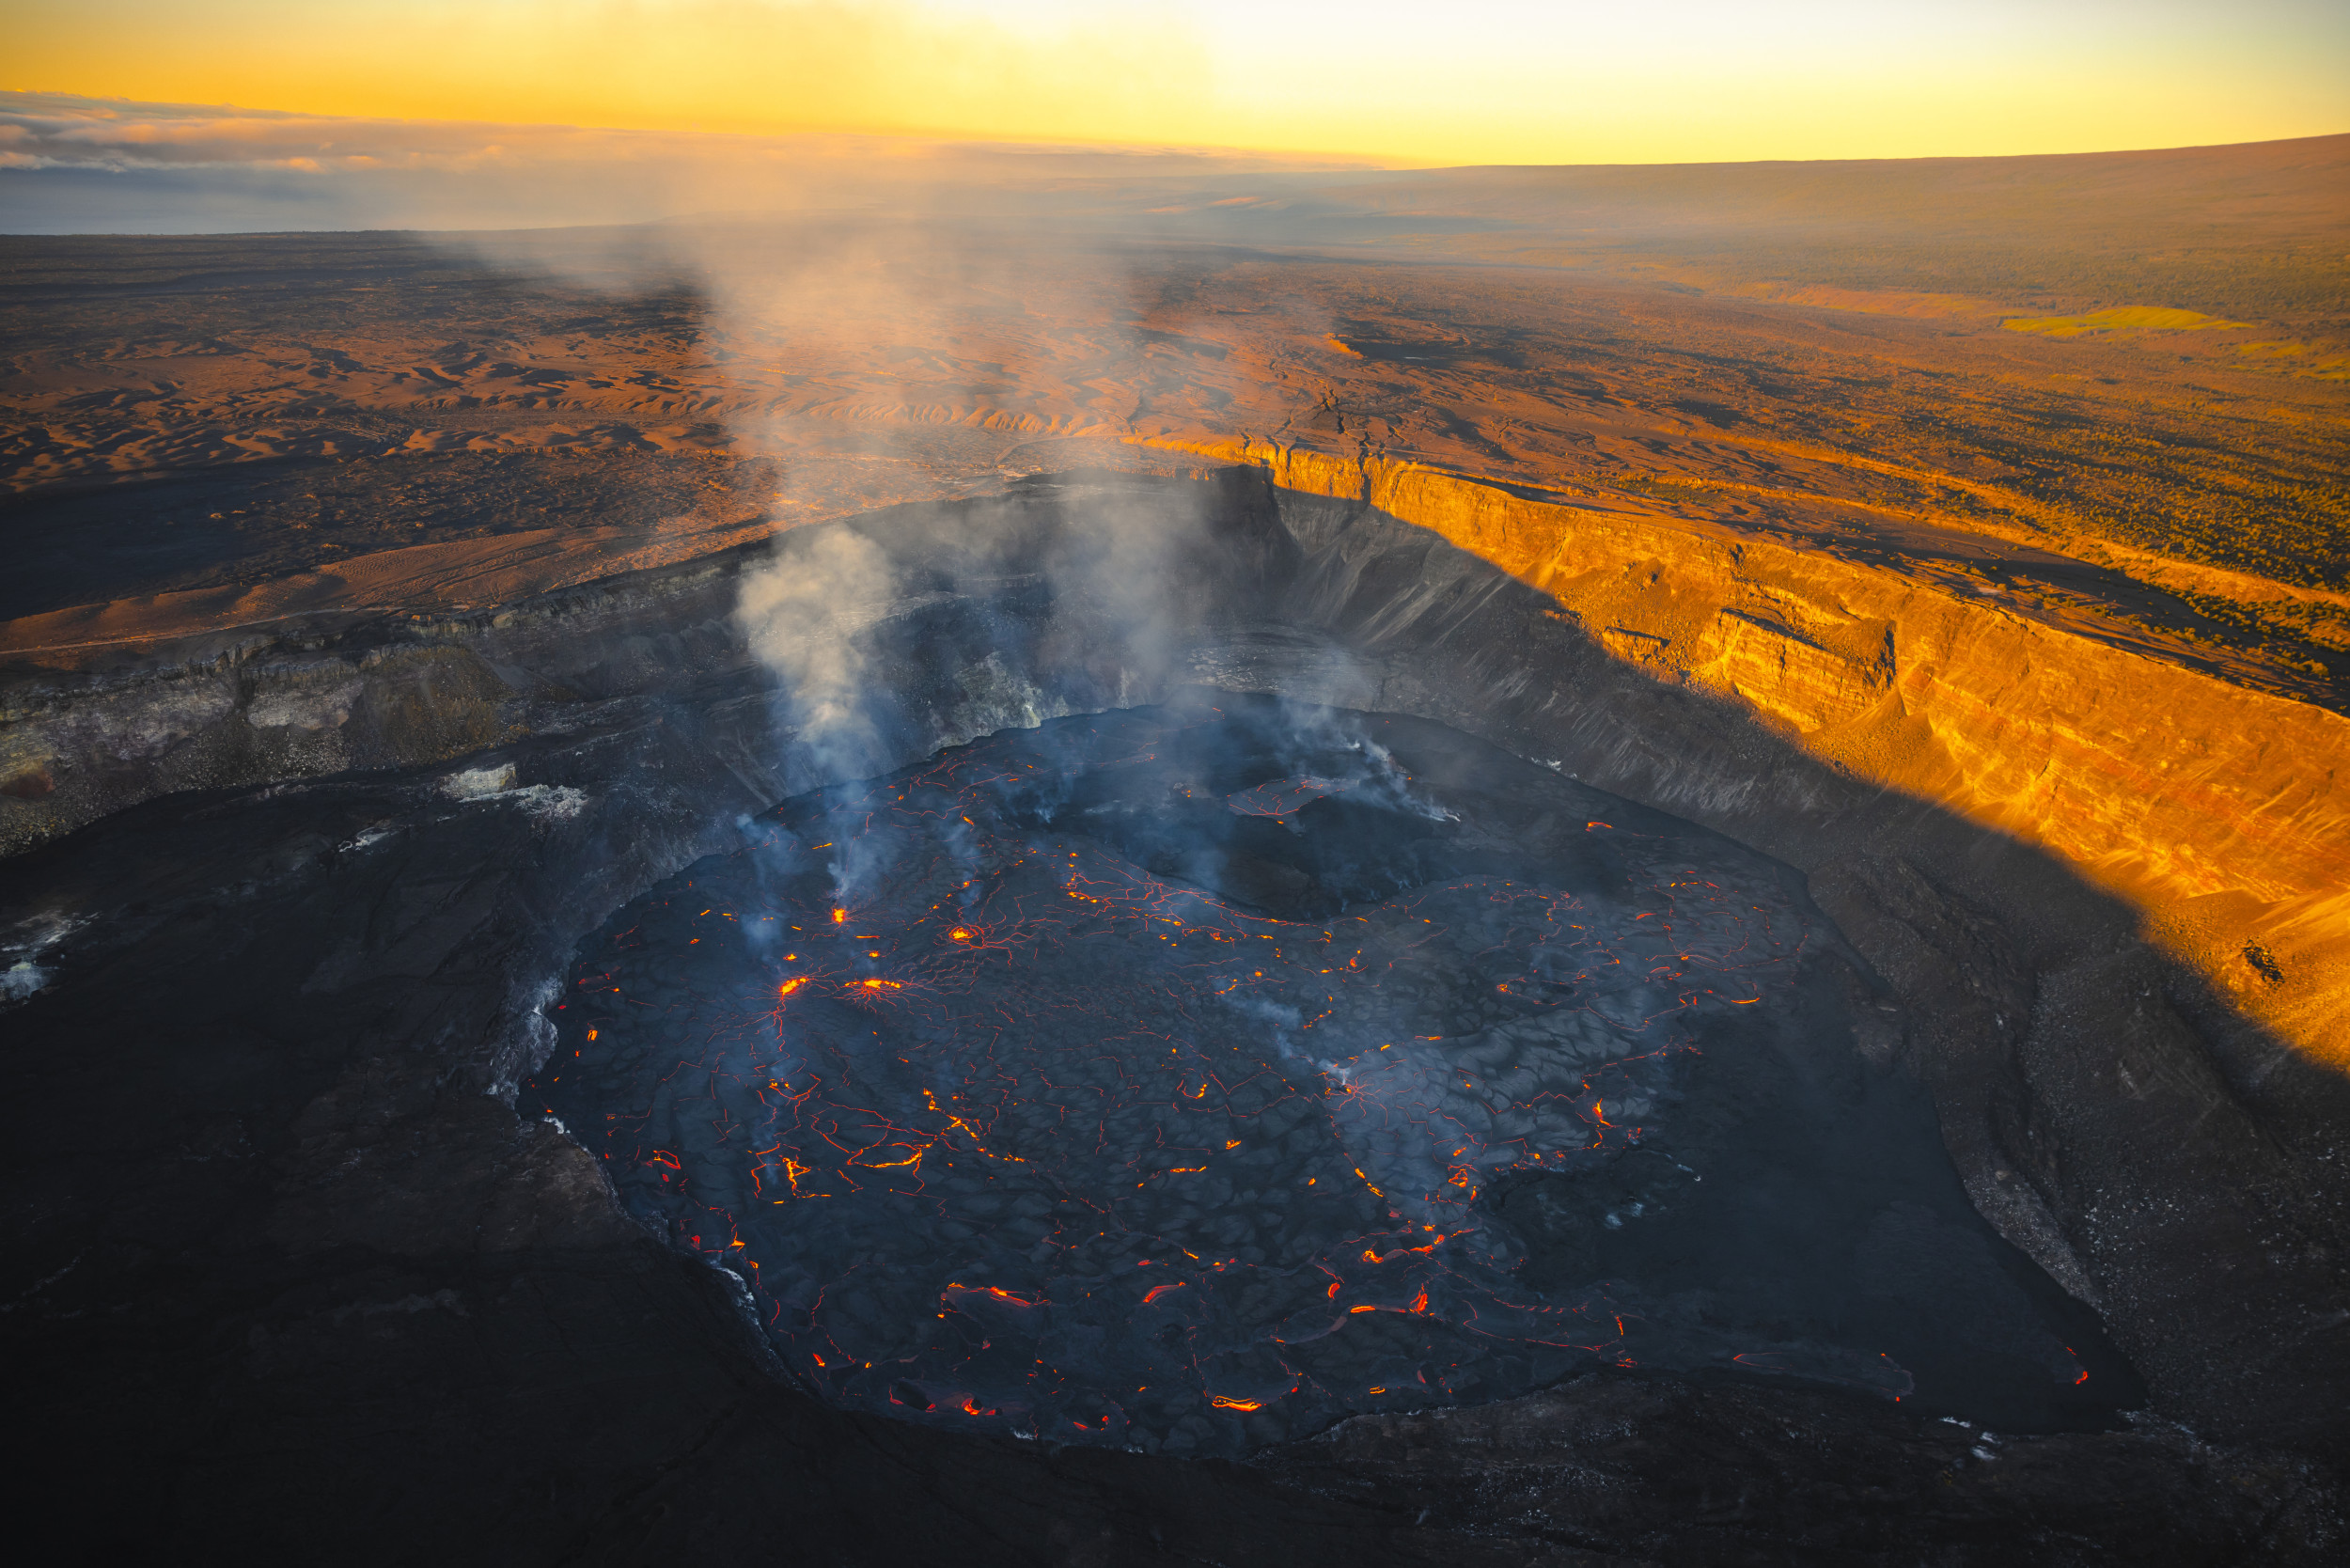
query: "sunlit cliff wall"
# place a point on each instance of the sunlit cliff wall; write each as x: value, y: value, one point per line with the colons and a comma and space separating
x: 2223, y: 814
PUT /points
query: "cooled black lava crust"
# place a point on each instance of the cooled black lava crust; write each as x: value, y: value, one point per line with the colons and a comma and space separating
x: 1186, y: 1078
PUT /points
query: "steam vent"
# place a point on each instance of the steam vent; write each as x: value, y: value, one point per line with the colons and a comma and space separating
x: 1338, y: 882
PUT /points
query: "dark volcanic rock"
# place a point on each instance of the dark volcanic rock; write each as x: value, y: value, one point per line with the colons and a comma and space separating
x: 289, y: 1278
x: 1709, y: 1473
x: 1018, y: 1111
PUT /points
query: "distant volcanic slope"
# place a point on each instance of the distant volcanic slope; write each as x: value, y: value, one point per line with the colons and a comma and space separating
x: 1186, y: 1078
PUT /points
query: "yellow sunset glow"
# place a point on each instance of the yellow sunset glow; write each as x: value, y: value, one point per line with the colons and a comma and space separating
x: 1696, y: 80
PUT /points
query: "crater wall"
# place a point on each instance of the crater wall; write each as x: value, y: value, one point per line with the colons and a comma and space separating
x: 2221, y: 813
x: 2163, y: 1152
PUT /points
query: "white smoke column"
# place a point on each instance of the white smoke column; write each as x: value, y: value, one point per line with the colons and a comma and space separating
x: 803, y: 615
x: 921, y: 325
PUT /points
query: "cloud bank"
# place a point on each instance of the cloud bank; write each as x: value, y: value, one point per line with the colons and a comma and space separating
x: 72, y: 163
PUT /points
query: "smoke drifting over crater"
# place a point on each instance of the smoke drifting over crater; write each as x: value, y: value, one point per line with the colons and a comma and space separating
x: 977, y: 1073
x: 1660, y: 841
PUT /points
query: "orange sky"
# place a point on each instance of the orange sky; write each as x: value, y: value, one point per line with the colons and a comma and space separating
x: 1504, y: 81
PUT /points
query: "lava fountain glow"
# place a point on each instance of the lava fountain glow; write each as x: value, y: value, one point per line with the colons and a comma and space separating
x: 1151, y: 1078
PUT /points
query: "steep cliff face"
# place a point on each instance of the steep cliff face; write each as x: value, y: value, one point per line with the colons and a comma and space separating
x: 2162, y: 1152
x: 2223, y: 814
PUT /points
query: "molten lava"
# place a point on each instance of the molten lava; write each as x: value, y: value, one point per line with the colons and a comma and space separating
x: 1161, y: 1101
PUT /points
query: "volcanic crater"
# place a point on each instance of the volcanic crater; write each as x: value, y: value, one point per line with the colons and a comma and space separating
x: 1243, y: 969
x: 1148, y: 1079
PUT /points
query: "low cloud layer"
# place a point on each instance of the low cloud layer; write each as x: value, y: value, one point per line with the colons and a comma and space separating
x: 70, y: 164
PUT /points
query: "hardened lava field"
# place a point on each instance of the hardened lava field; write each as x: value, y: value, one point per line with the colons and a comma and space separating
x: 1186, y: 1078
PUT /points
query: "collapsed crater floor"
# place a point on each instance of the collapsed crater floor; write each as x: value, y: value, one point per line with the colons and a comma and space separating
x: 1188, y: 1078
x: 304, y: 1271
